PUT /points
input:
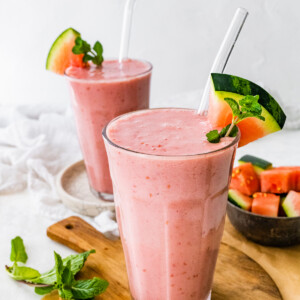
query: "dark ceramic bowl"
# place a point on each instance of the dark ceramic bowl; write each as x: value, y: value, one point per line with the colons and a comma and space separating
x: 267, y: 231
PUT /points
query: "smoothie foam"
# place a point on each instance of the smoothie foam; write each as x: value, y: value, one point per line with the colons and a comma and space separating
x: 170, y: 190
x: 100, y: 94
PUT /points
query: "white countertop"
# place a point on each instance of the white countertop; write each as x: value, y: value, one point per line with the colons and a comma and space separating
x: 17, y: 217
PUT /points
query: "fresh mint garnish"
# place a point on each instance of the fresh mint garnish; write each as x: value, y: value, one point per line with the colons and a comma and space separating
x: 60, y: 278
x: 95, y: 55
x: 245, y: 108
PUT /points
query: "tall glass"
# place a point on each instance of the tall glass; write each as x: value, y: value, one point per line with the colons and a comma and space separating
x: 171, y: 213
x: 99, y: 95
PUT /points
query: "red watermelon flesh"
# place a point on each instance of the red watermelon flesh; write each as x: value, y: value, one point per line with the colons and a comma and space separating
x: 295, y: 177
x: 245, y: 179
x: 266, y: 204
x: 277, y: 180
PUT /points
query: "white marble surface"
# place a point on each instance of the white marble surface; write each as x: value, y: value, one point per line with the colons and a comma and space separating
x: 17, y: 217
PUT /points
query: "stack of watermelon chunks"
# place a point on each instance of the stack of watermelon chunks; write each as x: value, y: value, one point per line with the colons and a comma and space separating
x: 258, y: 187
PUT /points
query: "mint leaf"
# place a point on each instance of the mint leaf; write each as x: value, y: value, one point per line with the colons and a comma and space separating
x: 59, y: 267
x: 18, y: 253
x: 65, y: 293
x: 250, y: 104
x: 213, y: 136
x: 22, y: 273
x: 87, y: 58
x: 67, y: 275
x: 86, y: 289
x: 98, y: 48
x: 64, y: 277
x: 97, y: 60
x: 77, y: 262
x: 234, y: 106
x: 82, y: 47
x: 44, y: 290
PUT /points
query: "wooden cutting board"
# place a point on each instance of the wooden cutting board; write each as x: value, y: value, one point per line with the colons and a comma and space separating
x: 237, y: 276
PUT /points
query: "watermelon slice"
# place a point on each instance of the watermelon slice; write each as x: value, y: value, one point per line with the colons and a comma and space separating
x: 266, y: 204
x: 244, y: 179
x: 277, y: 180
x: 60, y: 56
x: 291, y: 204
x: 239, y: 199
x: 220, y: 115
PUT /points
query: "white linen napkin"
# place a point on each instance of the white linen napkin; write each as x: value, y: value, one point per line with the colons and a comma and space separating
x: 36, y: 142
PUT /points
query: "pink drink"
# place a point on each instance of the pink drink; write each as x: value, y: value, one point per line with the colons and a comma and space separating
x: 100, y: 94
x: 170, y: 189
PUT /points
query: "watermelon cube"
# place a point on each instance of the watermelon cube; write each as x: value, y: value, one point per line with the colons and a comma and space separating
x: 291, y: 204
x: 265, y: 204
x: 278, y: 181
x: 295, y: 177
x: 244, y: 179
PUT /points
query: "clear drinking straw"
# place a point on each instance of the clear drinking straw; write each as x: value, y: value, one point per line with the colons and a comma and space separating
x: 224, y: 53
x: 126, y: 29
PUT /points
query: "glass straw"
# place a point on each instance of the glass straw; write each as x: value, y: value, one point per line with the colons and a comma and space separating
x: 224, y: 53
x: 126, y: 29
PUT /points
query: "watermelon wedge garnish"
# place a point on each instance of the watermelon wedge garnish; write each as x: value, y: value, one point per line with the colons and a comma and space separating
x: 220, y: 114
x: 60, y: 56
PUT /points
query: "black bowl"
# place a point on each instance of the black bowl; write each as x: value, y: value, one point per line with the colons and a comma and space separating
x: 267, y: 231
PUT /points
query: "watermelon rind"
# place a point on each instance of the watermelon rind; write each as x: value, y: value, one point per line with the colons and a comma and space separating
x: 69, y: 34
x: 256, y: 161
x: 259, y: 164
x: 242, y: 87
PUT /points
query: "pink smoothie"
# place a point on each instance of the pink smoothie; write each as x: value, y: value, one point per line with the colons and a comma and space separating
x: 170, y: 187
x: 99, y: 94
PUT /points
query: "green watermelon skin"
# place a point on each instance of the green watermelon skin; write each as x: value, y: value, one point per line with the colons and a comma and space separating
x: 259, y: 164
x: 241, y: 86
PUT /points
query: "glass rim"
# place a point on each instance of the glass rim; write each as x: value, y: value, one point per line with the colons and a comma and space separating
x: 105, y: 137
x: 139, y: 74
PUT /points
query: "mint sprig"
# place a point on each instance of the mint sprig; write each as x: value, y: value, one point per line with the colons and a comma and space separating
x: 247, y: 107
x: 95, y: 55
x: 60, y: 278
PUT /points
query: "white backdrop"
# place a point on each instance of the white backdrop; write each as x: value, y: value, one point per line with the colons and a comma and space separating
x: 179, y: 37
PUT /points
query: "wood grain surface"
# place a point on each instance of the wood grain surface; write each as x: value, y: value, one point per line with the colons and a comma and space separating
x: 237, y: 276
